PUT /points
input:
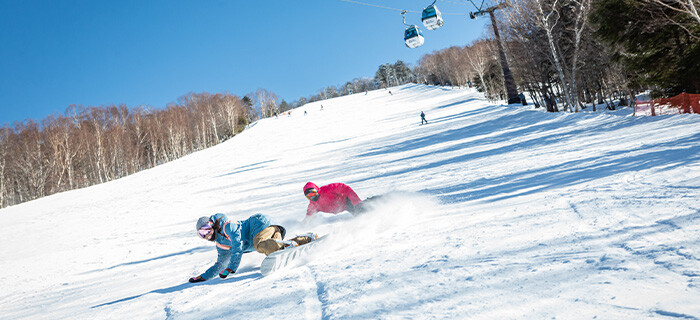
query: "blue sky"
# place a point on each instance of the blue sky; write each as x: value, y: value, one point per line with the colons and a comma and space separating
x: 93, y: 53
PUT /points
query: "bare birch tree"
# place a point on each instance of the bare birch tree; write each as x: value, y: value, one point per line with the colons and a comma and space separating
x: 479, y: 54
x: 685, y: 7
x: 547, y: 16
x: 232, y: 112
x: 267, y: 102
x: 5, y: 134
x: 581, y: 10
x: 30, y: 162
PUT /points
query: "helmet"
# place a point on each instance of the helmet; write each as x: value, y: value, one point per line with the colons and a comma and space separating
x: 310, y: 185
x: 201, y: 222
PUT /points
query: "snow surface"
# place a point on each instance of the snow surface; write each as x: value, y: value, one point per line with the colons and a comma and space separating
x: 494, y: 212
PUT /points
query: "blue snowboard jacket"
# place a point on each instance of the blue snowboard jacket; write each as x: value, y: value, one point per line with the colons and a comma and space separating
x: 234, y: 239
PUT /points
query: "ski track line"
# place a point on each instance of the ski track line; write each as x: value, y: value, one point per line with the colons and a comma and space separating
x: 674, y: 314
x: 314, y: 305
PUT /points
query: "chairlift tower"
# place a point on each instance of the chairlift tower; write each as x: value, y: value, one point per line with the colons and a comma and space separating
x: 511, y: 88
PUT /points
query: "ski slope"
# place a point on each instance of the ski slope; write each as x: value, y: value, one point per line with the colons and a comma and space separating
x: 494, y: 212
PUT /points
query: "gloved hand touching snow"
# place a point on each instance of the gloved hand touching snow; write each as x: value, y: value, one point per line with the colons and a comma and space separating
x: 196, y: 279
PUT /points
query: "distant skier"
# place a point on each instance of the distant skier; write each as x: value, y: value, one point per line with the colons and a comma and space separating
x: 304, y: 112
x: 391, y: 94
x: 522, y: 98
x: 233, y: 238
x: 321, y: 107
x: 422, y: 118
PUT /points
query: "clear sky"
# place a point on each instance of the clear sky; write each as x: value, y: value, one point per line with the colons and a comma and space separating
x: 150, y: 52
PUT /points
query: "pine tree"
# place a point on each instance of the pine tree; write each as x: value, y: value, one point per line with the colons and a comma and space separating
x: 402, y: 72
x: 660, y: 53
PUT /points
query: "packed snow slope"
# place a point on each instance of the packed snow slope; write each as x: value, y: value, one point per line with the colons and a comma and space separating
x: 494, y: 212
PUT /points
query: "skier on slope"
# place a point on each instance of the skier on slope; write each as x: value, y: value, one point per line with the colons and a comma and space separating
x: 334, y: 198
x: 233, y: 238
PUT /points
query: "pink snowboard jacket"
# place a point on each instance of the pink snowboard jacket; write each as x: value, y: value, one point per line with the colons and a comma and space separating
x: 332, y: 198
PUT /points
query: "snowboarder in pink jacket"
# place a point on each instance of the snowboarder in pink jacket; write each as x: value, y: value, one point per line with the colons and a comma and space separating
x: 332, y: 198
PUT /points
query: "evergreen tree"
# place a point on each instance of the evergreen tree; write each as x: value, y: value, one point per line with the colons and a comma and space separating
x: 660, y: 53
x: 284, y: 106
x: 384, y: 74
x: 402, y: 72
x: 247, y: 102
x: 493, y: 79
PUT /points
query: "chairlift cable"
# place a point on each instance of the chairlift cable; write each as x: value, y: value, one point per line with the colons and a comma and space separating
x: 396, y: 9
x: 378, y: 6
x: 479, y: 7
x: 455, y: 2
x: 465, y: 2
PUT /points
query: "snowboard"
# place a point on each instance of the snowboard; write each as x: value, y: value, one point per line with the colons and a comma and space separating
x: 282, y: 258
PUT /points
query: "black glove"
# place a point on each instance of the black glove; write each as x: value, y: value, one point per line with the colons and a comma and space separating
x: 196, y: 279
x: 225, y: 273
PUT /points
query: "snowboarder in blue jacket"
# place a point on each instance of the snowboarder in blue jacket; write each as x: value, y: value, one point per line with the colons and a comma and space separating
x: 233, y: 238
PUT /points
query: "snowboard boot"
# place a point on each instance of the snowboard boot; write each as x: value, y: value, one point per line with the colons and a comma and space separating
x: 305, y: 238
x: 287, y: 244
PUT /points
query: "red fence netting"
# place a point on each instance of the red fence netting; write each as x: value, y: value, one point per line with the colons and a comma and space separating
x: 682, y: 103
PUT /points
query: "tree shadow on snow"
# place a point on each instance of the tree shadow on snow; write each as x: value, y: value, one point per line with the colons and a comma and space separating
x: 572, y: 172
x: 250, y: 167
x: 457, y: 103
x: 193, y: 250
x: 181, y: 287
x: 533, y: 131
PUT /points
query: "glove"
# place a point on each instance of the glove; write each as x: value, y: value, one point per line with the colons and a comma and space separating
x: 196, y: 279
x: 225, y: 273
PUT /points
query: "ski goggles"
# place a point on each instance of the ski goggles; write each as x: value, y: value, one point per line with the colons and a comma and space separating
x: 310, y: 193
x: 205, y: 230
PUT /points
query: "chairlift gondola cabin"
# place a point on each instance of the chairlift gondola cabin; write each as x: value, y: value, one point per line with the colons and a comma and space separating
x: 432, y: 18
x: 413, y: 37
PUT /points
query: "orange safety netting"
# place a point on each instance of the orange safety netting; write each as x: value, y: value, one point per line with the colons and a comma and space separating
x: 682, y: 103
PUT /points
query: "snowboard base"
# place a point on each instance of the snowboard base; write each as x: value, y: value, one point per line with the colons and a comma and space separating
x: 282, y: 258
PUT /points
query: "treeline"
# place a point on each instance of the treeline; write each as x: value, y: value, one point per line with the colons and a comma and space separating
x: 573, y: 53
x: 472, y: 65
x: 90, y: 145
x: 354, y: 86
x: 556, y: 56
x: 387, y: 75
